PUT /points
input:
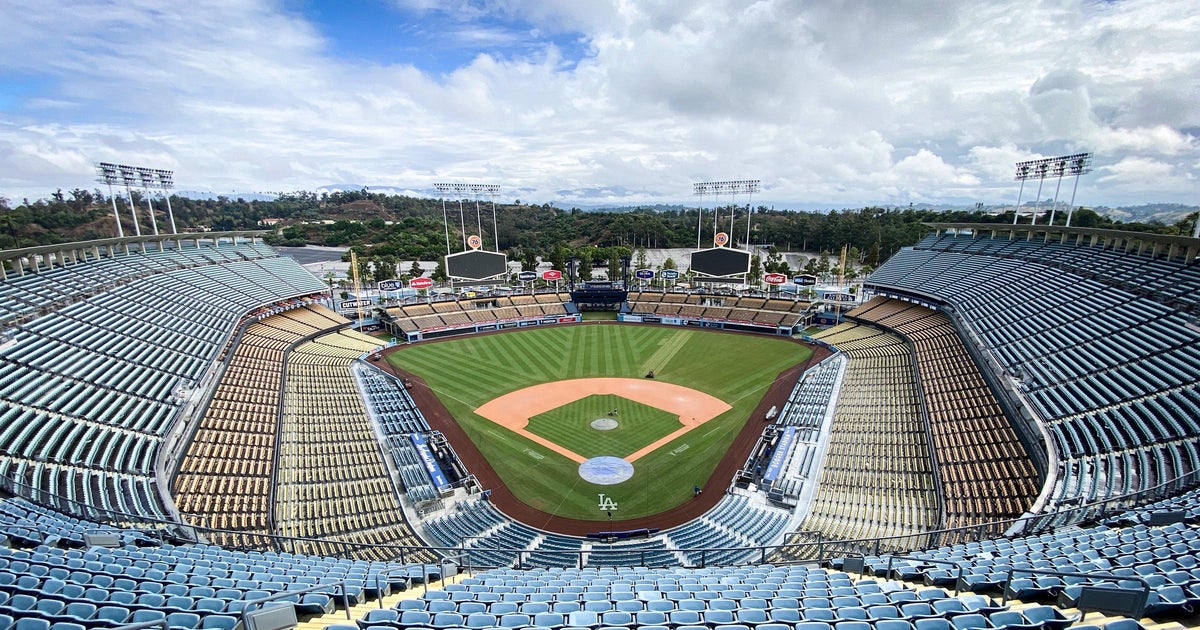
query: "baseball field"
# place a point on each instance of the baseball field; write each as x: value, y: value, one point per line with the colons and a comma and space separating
x: 553, y: 409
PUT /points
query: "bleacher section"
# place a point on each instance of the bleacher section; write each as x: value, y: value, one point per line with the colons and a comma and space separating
x: 735, y: 524
x: 94, y: 270
x: 877, y: 478
x: 985, y: 472
x: 471, y: 313
x: 397, y: 417
x: 1095, y: 339
x: 751, y: 311
x: 805, y: 412
x: 190, y: 586
x: 477, y: 525
x: 224, y: 480
x: 331, y: 482
x: 203, y: 586
x: 88, y: 391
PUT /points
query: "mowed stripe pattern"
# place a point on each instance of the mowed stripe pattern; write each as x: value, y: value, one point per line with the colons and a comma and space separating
x: 637, y: 425
x: 467, y: 372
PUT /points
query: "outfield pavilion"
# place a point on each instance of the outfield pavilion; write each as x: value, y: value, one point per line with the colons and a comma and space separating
x: 1026, y: 392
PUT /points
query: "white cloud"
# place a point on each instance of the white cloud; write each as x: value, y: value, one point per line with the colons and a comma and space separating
x: 840, y: 103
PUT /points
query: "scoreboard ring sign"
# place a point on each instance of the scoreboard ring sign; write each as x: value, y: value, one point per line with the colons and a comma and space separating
x: 721, y: 239
x: 474, y: 242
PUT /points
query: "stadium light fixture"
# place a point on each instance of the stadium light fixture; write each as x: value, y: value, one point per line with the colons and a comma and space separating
x: 475, y: 190
x: 137, y: 177
x: 1076, y: 164
x: 107, y: 174
x: 733, y: 187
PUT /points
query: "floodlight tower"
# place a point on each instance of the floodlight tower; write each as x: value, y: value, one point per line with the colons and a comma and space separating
x: 1022, y: 175
x: 130, y: 178
x: 163, y: 181
x: 442, y: 190
x: 107, y: 174
x: 700, y: 189
x: 147, y: 179
x: 1079, y: 164
x: 733, y: 187
x: 750, y: 186
x: 459, y: 189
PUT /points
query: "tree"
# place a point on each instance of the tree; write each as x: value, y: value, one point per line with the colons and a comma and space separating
x: 586, y: 257
x: 614, y: 263
x: 439, y: 272
x: 669, y: 263
x: 364, y: 268
x: 775, y: 262
x: 385, y: 268
x: 529, y: 261
x: 755, y: 276
x: 558, y: 257
x: 415, y: 270
x: 640, y: 260
x: 10, y: 226
x: 872, y: 257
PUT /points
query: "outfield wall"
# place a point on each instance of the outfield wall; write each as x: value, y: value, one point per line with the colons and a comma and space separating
x: 703, y: 323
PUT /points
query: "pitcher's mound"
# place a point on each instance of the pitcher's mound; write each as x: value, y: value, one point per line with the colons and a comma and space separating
x: 604, y: 424
x: 605, y: 470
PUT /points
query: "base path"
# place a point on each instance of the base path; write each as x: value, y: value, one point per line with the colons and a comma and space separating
x: 439, y: 419
x: 514, y: 409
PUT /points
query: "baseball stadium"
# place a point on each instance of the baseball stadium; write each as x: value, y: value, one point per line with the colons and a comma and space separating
x: 1002, y: 429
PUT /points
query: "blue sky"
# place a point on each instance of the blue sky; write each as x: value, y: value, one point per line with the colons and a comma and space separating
x: 830, y: 104
x: 437, y: 39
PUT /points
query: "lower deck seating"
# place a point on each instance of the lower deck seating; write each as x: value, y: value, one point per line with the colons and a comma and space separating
x: 985, y: 471
x: 877, y: 478
x: 224, y: 480
x: 331, y: 480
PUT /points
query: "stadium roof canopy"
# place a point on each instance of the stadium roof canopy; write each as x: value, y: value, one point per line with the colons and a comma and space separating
x: 1143, y: 243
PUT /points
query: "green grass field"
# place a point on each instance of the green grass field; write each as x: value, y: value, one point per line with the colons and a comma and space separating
x: 570, y: 425
x: 467, y: 372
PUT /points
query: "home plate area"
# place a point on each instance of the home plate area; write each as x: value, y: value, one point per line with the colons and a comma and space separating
x: 605, y: 470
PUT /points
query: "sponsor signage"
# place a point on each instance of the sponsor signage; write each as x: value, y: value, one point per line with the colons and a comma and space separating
x: 838, y: 297
x: 420, y: 283
x: 527, y: 276
x: 552, y: 274
x: 721, y: 239
x: 805, y: 280
x: 474, y: 242
x: 431, y: 466
x: 774, y: 278
x: 390, y: 285
x: 782, y: 449
x: 644, y: 274
x: 669, y: 274
x: 347, y: 304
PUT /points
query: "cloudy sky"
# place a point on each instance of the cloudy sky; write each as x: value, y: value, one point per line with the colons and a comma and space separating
x: 829, y: 103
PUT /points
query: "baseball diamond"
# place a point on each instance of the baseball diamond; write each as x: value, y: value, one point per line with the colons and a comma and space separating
x: 708, y: 384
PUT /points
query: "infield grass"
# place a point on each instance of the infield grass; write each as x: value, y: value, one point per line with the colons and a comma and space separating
x: 571, y: 425
x: 469, y: 371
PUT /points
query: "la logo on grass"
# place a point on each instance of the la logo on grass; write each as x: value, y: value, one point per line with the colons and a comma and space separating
x: 607, y: 504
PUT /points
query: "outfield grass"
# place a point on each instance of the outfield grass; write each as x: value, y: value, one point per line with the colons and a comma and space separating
x: 637, y: 425
x: 469, y: 371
